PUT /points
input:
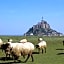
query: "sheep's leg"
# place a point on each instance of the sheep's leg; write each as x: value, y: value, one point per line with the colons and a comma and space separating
x: 45, y: 50
x: 2, y: 50
x: 16, y: 59
x: 23, y: 56
x: 6, y: 55
x: 42, y: 51
x: 32, y: 58
x: 27, y: 58
x: 38, y: 50
x: 12, y: 57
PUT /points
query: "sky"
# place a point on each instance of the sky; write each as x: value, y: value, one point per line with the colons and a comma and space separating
x: 17, y: 16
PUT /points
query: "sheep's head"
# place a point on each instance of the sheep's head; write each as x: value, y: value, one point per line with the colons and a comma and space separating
x: 5, y: 46
x: 37, y: 46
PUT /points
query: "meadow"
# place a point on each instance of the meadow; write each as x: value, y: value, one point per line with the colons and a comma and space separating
x: 54, y: 54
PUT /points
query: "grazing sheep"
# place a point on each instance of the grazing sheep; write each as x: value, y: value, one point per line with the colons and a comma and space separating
x: 23, y: 40
x: 23, y: 49
x: 41, y: 46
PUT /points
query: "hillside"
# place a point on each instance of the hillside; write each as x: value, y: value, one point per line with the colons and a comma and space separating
x: 42, y: 28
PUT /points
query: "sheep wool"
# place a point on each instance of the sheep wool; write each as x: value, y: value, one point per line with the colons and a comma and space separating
x: 1, y: 42
x: 23, y: 40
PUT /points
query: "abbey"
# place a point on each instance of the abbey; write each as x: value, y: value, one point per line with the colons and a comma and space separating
x: 42, y: 28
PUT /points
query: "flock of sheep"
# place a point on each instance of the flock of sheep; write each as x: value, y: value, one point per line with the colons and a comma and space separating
x: 22, y: 48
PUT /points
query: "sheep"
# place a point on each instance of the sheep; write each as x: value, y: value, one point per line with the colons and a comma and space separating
x: 23, y: 49
x: 41, y: 45
x: 23, y: 41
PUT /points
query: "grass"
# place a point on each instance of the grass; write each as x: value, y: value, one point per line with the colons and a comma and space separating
x: 54, y: 55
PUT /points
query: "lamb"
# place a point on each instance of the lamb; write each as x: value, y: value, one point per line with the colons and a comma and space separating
x: 41, y: 45
x: 23, y: 49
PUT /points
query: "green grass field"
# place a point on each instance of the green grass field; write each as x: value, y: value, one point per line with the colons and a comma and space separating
x: 54, y: 55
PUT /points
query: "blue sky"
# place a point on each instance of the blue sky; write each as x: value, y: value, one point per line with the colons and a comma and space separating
x: 17, y: 16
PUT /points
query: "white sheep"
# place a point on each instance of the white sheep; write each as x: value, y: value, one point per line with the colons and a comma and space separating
x: 23, y: 49
x: 41, y: 45
x: 18, y: 49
